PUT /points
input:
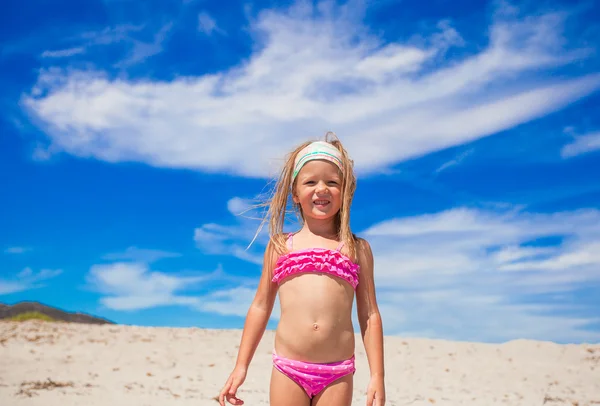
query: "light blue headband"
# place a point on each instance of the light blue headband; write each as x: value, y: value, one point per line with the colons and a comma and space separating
x: 317, y: 150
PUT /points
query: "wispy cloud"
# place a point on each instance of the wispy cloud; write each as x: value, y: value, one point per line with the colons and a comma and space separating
x: 140, y: 255
x: 459, y: 158
x: 132, y: 42
x: 8, y: 287
x: 63, y: 53
x: 233, y: 302
x: 237, y: 205
x: 26, y: 279
x: 234, y: 239
x: 134, y: 286
x: 494, y: 271
x: 207, y: 24
x: 582, y: 144
x: 131, y: 286
x: 142, y: 50
x: 310, y: 74
x: 16, y: 250
x: 109, y: 35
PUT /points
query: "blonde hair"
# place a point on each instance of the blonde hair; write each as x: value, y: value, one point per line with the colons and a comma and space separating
x: 283, y: 190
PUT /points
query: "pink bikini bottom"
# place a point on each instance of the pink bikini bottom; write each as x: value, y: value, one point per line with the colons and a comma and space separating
x: 313, y: 378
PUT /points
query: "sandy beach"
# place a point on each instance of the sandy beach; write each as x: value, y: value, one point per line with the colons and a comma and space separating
x: 54, y: 364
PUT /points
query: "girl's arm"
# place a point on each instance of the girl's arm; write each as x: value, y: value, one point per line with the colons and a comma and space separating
x: 259, y: 311
x: 371, y: 326
x: 254, y: 327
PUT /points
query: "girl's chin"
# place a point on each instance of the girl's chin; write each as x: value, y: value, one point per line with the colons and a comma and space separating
x: 322, y: 212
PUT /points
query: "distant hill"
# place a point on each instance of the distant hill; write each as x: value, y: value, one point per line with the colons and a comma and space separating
x: 8, y: 311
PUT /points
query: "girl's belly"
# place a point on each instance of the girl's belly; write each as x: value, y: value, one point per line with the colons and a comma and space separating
x: 316, y: 319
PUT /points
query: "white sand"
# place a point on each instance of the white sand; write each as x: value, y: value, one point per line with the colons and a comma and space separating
x: 126, y: 365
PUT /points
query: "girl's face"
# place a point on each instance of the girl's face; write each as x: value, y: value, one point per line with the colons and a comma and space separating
x: 318, y: 189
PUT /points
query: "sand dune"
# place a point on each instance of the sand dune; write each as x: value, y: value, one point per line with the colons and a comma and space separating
x: 54, y: 364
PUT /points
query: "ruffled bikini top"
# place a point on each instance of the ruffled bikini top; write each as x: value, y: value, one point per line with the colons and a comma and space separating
x: 318, y: 260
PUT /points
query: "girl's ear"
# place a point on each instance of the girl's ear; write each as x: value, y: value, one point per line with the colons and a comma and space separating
x: 294, y: 194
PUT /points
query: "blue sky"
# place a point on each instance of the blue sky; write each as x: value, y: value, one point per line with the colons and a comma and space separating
x: 133, y: 134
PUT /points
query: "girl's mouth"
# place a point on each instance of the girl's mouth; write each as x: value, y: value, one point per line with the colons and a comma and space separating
x: 321, y: 202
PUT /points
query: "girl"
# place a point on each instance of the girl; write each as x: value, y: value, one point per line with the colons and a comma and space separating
x: 317, y: 271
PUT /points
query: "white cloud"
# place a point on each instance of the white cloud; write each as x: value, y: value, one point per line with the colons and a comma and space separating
x: 582, y: 144
x: 238, y: 239
x: 456, y: 161
x: 16, y: 250
x: 110, y: 35
x: 27, y: 279
x: 462, y: 314
x: 8, y: 287
x: 311, y: 72
x: 233, y: 302
x: 477, y: 275
x: 131, y: 286
x: 142, y: 50
x: 207, y: 24
x: 140, y: 255
x: 232, y: 240
x: 63, y: 53
x: 134, y: 286
x: 447, y: 37
x: 237, y: 205
x: 135, y: 46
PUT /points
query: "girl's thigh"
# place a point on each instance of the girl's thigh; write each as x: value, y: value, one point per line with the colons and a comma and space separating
x: 338, y: 393
x: 285, y: 392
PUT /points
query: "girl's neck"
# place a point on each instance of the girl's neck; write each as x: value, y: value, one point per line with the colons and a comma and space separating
x: 321, y: 228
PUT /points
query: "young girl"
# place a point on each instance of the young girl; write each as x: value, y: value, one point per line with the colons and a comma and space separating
x: 317, y: 272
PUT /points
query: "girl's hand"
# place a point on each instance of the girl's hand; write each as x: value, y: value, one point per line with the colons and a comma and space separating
x: 376, y: 391
x: 237, y: 377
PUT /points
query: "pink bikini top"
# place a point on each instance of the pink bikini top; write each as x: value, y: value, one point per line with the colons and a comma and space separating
x: 319, y: 260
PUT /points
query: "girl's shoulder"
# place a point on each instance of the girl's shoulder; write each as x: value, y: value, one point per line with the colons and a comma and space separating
x: 359, y: 240
x: 278, y: 244
x: 363, y: 249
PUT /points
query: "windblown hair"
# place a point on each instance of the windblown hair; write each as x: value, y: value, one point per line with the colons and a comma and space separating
x: 282, y: 194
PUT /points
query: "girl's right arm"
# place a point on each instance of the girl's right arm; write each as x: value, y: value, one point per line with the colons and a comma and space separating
x: 259, y: 312
x: 254, y: 327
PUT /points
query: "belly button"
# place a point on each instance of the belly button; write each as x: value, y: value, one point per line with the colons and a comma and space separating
x: 315, y: 326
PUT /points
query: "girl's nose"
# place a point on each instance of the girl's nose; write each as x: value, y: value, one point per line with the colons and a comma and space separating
x: 321, y: 187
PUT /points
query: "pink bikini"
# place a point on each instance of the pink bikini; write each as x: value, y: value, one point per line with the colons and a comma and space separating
x: 313, y: 377
x: 318, y: 260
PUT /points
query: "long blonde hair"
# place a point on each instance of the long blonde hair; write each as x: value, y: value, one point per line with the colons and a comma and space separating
x: 282, y: 193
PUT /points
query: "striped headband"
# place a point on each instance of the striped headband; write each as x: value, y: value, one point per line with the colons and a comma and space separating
x: 317, y: 150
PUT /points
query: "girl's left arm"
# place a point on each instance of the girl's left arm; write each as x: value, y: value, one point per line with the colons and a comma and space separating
x: 371, y: 326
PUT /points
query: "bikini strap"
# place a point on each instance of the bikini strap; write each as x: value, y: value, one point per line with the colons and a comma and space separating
x: 339, y: 248
x: 289, y: 241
